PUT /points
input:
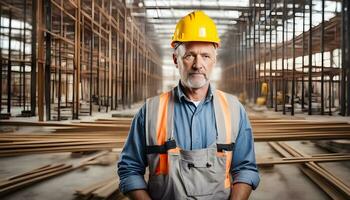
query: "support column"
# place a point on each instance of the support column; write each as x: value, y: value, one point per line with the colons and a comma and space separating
x: 293, y: 52
x: 283, y: 48
x: 47, y: 5
x: 77, y: 66
x: 347, y: 56
x: 310, y: 63
x: 254, y: 52
x: 9, y: 66
x: 303, y: 63
x: 1, y: 64
x: 322, y: 58
x: 40, y: 61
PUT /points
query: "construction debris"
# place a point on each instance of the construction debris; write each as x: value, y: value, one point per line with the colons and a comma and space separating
x: 19, y: 181
x: 297, y: 159
x: 329, y: 183
x: 106, y: 189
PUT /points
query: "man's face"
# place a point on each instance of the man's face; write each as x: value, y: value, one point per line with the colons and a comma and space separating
x: 195, y: 61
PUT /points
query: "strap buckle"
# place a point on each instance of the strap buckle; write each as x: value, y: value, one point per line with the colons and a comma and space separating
x: 161, y: 149
x: 225, y: 147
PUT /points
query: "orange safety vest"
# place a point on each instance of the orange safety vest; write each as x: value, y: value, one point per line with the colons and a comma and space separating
x: 159, y: 131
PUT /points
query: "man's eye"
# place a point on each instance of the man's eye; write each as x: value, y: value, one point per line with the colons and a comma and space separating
x: 189, y: 56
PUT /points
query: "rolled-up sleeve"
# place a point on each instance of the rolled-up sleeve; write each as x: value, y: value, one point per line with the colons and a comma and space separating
x: 132, y: 161
x: 244, y: 168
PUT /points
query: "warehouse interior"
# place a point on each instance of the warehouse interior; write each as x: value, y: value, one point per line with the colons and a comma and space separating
x: 75, y: 72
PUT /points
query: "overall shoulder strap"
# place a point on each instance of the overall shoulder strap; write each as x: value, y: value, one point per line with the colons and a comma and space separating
x: 226, y: 108
x: 227, y: 116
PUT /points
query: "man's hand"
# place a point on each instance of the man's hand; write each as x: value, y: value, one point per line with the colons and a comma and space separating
x: 138, y: 195
x: 240, y: 191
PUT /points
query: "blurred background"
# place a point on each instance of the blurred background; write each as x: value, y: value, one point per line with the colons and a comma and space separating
x: 75, y: 72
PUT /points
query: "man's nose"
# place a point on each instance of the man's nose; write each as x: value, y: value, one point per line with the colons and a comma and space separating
x: 198, y: 62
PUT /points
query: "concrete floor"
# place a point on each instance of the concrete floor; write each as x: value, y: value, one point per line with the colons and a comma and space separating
x: 279, y: 182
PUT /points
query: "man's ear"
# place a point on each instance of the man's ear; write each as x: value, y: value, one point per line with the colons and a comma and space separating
x: 175, y: 59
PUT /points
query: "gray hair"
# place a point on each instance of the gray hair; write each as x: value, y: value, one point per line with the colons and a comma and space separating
x: 179, y: 49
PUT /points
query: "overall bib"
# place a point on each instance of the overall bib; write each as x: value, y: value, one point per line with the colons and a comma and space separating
x: 189, y: 174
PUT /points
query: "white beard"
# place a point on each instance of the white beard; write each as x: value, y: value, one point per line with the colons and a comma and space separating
x: 191, y: 82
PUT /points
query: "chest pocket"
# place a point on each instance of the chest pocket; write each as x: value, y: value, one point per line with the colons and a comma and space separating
x: 201, y: 171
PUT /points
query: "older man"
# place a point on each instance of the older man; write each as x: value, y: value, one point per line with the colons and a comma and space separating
x: 195, y: 140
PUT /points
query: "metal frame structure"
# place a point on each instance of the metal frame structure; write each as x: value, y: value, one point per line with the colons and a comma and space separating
x: 300, y: 77
x: 86, y: 55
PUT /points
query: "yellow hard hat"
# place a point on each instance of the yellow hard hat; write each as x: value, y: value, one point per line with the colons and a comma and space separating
x: 196, y: 26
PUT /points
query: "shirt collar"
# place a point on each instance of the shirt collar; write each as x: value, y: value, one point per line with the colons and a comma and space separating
x: 181, y: 95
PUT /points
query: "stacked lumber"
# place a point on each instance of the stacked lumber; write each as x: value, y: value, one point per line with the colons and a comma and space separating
x: 275, y: 129
x: 64, y: 137
x: 22, y: 144
x: 103, y: 134
x: 106, y: 189
x: 78, y: 127
x: 284, y: 130
x: 119, y: 120
x: 19, y: 181
x: 124, y: 123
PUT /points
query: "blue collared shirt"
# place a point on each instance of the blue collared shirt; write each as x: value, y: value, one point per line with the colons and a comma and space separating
x: 194, y: 128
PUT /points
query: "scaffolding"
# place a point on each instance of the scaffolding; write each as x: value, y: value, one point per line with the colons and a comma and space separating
x: 305, y: 70
x: 74, y: 58
x: 62, y: 59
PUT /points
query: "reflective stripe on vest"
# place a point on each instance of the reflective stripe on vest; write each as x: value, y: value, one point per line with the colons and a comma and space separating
x: 227, y: 120
x: 157, y: 111
x: 159, y: 120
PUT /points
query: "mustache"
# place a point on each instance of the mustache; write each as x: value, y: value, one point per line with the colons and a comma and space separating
x: 197, y: 72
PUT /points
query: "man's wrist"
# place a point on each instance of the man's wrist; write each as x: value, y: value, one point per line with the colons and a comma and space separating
x: 240, y: 191
x: 138, y: 194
